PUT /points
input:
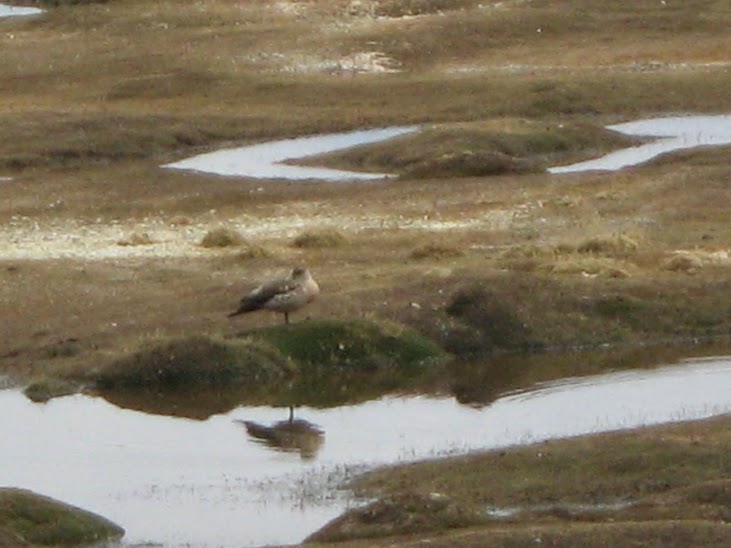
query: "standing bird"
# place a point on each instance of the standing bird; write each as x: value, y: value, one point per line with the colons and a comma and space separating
x: 283, y: 295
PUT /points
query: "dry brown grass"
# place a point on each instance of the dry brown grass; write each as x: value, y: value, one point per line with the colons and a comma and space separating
x: 322, y: 238
x: 95, y: 97
x: 223, y: 237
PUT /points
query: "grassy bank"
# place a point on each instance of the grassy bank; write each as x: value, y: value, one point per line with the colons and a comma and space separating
x: 665, y: 484
x: 28, y: 519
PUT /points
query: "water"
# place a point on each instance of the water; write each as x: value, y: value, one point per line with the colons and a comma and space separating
x: 264, y: 160
x: 675, y: 133
x: 183, y: 482
x: 12, y: 11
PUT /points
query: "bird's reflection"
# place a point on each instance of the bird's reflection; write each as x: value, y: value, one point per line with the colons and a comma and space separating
x: 291, y: 435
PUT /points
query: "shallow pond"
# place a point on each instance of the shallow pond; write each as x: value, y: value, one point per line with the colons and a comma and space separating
x: 675, y: 133
x: 12, y: 11
x: 265, y: 160
x: 183, y: 482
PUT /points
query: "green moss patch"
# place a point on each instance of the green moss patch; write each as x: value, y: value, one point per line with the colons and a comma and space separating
x: 351, y: 346
x: 26, y: 517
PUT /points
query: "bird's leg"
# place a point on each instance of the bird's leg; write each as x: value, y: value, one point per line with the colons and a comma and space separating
x: 291, y: 413
x: 286, y: 317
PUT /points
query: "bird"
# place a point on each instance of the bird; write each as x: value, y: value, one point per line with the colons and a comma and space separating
x: 283, y: 295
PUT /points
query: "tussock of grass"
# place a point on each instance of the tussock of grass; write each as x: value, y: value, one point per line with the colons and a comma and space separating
x: 318, y: 239
x: 137, y: 238
x: 435, y: 251
x: 28, y: 518
x: 619, y: 244
x: 682, y: 263
x: 530, y: 251
x: 252, y: 251
x: 222, y: 237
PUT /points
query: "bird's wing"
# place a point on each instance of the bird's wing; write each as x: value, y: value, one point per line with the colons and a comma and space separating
x: 264, y: 293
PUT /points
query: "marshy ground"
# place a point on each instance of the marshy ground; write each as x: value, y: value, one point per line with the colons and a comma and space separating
x: 474, y: 245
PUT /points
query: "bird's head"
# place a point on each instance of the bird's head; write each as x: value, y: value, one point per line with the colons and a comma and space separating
x: 300, y: 272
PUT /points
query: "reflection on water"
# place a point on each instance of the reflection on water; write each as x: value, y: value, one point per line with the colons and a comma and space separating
x: 265, y: 160
x: 12, y: 11
x: 675, y: 133
x: 189, y: 482
x: 292, y: 435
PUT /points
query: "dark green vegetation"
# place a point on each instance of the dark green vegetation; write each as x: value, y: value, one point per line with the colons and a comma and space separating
x: 327, y: 345
x: 30, y: 519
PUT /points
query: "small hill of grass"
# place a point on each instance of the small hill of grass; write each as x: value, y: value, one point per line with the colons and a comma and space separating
x: 27, y: 518
x: 196, y: 360
x: 265, y: 357
x: 352, y: 346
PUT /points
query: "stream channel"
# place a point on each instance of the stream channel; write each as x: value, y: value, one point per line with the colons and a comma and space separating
x: 266, y: 160
x: 174, y: 481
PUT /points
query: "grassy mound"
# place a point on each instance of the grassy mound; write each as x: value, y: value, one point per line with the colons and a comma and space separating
x: 321, y: 363
x: 332, y: 345
x: 477, y: 149
x: 199, y: 361
x: 486, y: 320
x: 28, y: 518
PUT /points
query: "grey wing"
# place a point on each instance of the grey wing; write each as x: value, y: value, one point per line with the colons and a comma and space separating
x: 264, y: 293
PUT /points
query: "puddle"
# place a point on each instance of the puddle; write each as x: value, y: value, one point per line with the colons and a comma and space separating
x: 675, y: 133
x: 182, y: 482
x: 12, y: 11
x: 264, y: 160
